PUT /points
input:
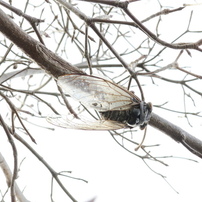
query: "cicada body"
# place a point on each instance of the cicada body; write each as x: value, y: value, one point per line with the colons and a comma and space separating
x: 136, y: 115
x: 118, y: 107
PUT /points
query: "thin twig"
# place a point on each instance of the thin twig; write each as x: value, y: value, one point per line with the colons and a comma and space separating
x: 15, y: 168
x: 32, y: 20
x: 40, y: 158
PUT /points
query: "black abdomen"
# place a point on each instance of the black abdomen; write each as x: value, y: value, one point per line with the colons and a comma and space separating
x: 130, y: 116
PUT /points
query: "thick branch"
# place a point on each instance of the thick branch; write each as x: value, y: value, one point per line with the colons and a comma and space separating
x: 178, y: 134
x: 46, y: 59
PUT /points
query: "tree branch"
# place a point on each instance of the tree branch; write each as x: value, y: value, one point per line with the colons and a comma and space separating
x: 8, y: 174
x: 124, y: 6
x: 53, y: 172
x: 15, y: 169
x: 56, y: 66
x: 47, y: 60
x: 178, y: 134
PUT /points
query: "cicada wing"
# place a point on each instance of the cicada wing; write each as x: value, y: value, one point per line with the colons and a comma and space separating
x: 95, y: 92
x: 84, y: 124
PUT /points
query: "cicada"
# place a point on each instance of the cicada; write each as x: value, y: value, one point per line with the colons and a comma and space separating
x: 118, y: 107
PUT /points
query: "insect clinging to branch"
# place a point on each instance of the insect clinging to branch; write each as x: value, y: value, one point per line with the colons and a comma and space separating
x: 119, y: 108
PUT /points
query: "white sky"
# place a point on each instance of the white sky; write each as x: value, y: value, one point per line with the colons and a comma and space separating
x: 112, y: 173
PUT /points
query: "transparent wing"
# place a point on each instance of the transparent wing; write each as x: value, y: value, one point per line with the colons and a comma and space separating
x: 84, y: 124
x: 97, y: 93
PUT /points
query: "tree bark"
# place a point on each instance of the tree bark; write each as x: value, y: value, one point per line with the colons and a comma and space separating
x: 178, y: 134
x: 50, y: 62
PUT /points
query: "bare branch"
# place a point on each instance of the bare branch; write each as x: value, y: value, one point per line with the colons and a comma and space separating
x: 124, y: 5
x: 15, y: 169
x: 47, y: 60
x: 8, y: 175
x: 190, y: 142
x: 53, y: 172
x: 53, y: 64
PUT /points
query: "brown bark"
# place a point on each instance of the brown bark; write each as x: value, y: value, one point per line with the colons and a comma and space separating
x: 50, y: 62
x: 178, y: 134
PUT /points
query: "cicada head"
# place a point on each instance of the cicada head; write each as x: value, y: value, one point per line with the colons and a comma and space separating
x: 145, y: 114
x: 140, y: 115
